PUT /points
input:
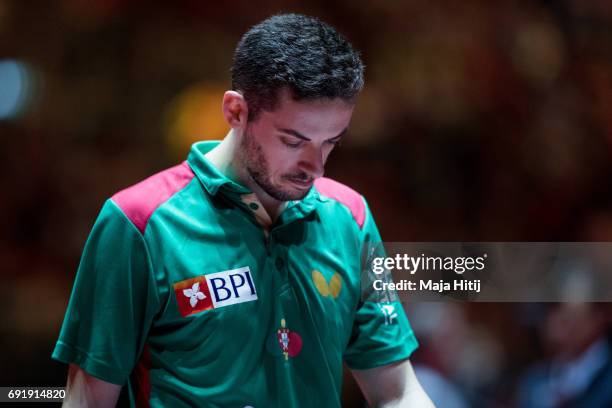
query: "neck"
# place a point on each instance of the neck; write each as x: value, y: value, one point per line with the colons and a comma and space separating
x: 227, y: 159
x: 224, y: 155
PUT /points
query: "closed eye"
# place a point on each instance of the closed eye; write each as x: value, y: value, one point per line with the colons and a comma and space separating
x: 291, y: 142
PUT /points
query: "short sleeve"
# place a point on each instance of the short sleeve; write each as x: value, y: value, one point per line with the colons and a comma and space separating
x: 113, y: 301
x: 381, y: 332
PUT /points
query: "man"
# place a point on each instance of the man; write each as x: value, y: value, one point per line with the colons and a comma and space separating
x: 577, y: 371
x: 233, y: 279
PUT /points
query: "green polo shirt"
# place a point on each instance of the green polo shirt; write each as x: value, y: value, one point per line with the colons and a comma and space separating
x: 185, y: 296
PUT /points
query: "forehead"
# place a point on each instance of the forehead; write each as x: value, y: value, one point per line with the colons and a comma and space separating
x: 311, y: 115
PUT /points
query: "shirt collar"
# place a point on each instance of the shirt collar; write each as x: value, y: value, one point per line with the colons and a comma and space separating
x: 211, y: 177
x: 215, y: 181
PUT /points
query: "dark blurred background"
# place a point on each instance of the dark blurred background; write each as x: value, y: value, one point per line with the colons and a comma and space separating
x: 480, y: 121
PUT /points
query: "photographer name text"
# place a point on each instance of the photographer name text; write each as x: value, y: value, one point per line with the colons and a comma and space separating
x: 441, y: 286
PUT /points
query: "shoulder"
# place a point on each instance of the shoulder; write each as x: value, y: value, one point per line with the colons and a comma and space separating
x: 140, y: 201
x: 344, y: 195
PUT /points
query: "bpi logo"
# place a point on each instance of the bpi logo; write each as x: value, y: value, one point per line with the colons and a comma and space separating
x: 215, y: 290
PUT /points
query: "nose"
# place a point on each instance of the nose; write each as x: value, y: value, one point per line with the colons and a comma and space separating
x: 311, y: 162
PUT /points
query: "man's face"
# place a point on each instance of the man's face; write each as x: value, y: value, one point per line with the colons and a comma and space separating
x: 285, y: 150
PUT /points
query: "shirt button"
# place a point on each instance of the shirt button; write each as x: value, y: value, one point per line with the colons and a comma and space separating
x: 253, y: 206
x: 279, y: 263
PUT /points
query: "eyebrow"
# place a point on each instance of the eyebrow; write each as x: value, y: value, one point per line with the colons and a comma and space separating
x: 301, y: 136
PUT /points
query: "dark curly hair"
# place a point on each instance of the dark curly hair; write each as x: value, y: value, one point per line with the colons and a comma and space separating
x: 297, y: 52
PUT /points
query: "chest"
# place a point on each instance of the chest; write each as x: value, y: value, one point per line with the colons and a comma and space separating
x: 232, y: 287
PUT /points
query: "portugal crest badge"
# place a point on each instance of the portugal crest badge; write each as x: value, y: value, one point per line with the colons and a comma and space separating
x: 289, y: 342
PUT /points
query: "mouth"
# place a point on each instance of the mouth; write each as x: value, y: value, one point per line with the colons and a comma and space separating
x: 301, y: 183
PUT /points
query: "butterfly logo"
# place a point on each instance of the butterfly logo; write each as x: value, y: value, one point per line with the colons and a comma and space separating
x: 194, y: 294
x: 325, y: 288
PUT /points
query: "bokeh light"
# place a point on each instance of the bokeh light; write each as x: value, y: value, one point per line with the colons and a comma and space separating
x: 539, y: 54
x: 195, y: 114
x: 17, y: 83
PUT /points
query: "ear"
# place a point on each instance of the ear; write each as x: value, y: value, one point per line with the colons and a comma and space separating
x: 235, y: 109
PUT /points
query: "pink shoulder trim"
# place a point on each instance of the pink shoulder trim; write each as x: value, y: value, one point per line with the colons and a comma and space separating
x: 343, y: 194
x: 139, y: 201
